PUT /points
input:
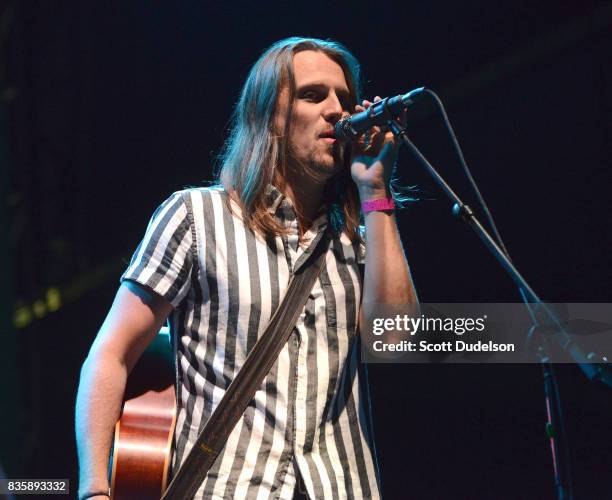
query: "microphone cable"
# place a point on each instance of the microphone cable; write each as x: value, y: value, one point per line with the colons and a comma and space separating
x: 553, y: 378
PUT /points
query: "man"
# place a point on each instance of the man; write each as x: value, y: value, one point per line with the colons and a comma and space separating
x: 216, y: 262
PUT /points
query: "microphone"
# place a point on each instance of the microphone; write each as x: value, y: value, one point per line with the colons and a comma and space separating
x: 379, y: 113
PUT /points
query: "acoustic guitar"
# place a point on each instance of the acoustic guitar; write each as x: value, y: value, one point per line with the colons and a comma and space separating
x: 142, y: 448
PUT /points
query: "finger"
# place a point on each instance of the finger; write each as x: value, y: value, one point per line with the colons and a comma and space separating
x: 359, y: 108
x: 378, y: 138
x: 377, y: 98
x: 366, y: 104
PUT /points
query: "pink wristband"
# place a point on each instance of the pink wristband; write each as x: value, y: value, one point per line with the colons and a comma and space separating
x: 379, y: 205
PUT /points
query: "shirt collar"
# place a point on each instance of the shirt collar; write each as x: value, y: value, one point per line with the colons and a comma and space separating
x: 273, y: 198
x: 281, y: 206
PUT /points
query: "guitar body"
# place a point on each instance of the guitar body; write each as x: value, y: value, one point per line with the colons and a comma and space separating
x: 142, y: 447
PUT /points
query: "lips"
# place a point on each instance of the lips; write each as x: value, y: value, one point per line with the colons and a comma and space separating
x: 328, y: 135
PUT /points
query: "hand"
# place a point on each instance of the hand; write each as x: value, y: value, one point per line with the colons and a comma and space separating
x: 373, y: 159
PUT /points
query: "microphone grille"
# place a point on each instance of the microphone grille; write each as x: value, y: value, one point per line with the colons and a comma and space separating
x: 343, y: 130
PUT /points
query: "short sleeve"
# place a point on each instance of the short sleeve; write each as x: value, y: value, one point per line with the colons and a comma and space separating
x: 165, y: 258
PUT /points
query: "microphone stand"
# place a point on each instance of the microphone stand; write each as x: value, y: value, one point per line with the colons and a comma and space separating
x: 594, y: 372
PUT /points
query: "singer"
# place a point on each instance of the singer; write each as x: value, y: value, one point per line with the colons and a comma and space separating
x: 216, y: 262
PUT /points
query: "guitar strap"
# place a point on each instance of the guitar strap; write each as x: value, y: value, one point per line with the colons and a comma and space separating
x: 242, y: 389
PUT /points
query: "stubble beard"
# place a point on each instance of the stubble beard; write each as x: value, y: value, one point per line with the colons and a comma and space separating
x: 328, y: 163
x: 319, y: 167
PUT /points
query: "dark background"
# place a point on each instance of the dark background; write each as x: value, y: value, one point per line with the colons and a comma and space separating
x: 108, y: 107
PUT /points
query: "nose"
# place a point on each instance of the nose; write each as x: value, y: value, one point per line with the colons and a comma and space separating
x: 333, y: 110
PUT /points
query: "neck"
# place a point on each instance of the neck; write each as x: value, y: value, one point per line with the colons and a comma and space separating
x: 306, y: 194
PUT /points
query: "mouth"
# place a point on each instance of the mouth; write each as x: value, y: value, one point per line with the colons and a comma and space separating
x: 328, y: 136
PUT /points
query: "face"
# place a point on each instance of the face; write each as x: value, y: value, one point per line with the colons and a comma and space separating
x: 321, y: 98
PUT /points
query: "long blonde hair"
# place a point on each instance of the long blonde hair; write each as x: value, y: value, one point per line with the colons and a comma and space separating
x: 254, y: 156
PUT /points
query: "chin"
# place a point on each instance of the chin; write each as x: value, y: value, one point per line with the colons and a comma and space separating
x: 327, y: 167
x: 331, y: 161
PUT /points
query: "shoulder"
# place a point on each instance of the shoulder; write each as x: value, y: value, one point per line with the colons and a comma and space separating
x: 213, y: 200
x: 197, y: 198
x: 354, y: 247
x: 196, y: 193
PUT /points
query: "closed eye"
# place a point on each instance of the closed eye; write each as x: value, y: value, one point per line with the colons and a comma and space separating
x: 317, y: 93
x: 311, y: 95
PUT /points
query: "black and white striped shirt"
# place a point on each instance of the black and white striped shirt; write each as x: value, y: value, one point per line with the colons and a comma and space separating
x: 312, y: 412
